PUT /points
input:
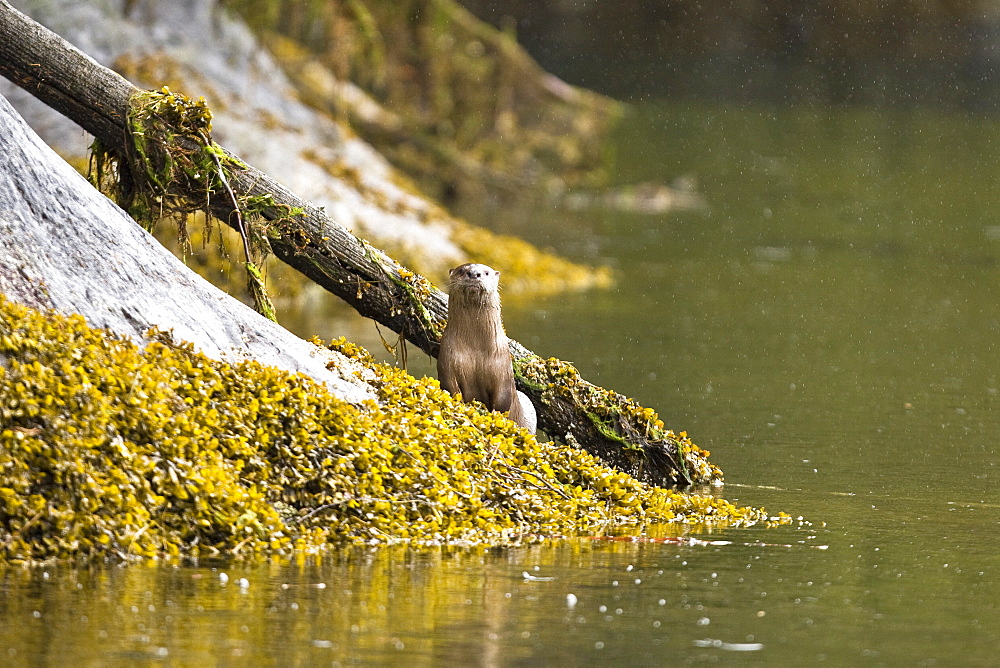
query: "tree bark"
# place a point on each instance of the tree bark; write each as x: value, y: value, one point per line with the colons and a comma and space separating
x: 98, y: 100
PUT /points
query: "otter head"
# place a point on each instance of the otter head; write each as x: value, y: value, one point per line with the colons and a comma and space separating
x: 474, y: 278
x: 474, y: 286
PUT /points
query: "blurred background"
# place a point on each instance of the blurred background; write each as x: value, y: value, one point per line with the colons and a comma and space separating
x: 899, y: 52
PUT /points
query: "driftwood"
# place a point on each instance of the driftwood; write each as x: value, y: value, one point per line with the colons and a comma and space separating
x: 65, y: 246
x: 607, y: 424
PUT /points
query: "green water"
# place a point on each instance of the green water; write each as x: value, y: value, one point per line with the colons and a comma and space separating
x: 827, y: 329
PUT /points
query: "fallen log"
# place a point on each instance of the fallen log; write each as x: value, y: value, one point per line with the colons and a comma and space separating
x: 605, y: 423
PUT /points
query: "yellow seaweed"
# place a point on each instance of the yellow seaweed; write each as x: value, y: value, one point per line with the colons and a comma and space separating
x: 109, y: 449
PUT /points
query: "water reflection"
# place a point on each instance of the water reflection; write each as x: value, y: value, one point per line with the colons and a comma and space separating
x: 871, y: 594
x: 389, y: 605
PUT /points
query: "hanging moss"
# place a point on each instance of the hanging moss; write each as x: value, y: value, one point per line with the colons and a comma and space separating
x: 171, y: 168
x: 527, y: 269
x: 109, y: 449
x: 161, y: 176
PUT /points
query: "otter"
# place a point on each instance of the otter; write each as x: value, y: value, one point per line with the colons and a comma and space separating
x: 474, y: 359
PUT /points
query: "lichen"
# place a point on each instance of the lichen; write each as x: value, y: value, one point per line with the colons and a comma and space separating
x: 108, y: 449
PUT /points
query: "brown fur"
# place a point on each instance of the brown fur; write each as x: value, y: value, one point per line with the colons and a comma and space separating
x: 474, y: 360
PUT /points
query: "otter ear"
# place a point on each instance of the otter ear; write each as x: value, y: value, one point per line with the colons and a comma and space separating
x: 453, y: 271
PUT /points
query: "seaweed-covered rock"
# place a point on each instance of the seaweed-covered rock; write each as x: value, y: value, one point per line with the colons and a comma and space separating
x: 452, y: 100
x: 112, y: 450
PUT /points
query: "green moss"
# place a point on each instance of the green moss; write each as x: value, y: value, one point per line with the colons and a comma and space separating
x: 608, y: 411
x: 108, y: 449
x: 171, y: 168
